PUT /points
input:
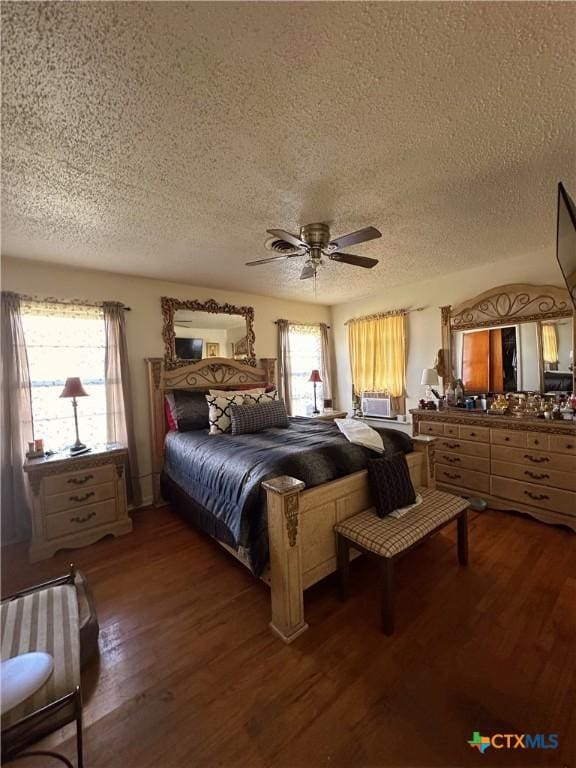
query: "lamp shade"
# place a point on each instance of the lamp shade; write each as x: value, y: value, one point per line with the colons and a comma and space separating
x: 315, y: 376
x: 73, y: 388
x: 429, y: 377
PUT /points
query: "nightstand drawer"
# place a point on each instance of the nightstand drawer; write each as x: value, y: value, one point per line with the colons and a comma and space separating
x: 76, y: 481
x: 74, y: 499
x: 74, y: 521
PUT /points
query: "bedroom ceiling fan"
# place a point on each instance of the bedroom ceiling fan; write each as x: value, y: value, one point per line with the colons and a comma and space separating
x: 314, y: 243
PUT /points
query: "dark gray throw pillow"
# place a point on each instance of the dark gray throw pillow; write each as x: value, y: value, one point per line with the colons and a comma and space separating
x: 247, y: 419
x: 191, y: 410
x: 390, y: 483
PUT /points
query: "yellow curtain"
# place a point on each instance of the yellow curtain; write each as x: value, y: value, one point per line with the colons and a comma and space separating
x: 377, y: 354
x: 549, y: 344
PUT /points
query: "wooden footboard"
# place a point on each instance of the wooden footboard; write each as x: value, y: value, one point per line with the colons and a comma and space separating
x: 301, y: 533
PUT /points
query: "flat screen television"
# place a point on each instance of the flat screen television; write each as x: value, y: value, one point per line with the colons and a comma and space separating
x: 189, y: 349
x: 566, y: 239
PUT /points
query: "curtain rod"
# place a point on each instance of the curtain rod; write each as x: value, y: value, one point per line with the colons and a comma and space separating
x: 291, y: 323
x: 392, y: 313
x: 68, y: 302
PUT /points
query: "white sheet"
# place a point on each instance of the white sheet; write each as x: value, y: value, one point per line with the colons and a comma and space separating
x: 360, y: 434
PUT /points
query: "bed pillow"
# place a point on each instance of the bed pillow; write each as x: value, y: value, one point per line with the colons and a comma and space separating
x: 219, y: 412
x: 265, y: 397
x: 191, y: 410
x: 247, y: 419
x: 247, y: 390
x: 170, y: 412
x: 390, y: 483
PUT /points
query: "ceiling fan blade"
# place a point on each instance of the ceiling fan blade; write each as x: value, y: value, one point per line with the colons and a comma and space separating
x: 308, y: 271
x: 292, y: 239
x: 361, y: 236
x: 272, y: 258
x: 356, y: 261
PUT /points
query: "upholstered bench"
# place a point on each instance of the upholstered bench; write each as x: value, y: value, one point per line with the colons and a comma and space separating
x: 391, y: 538
x: 48, y: 618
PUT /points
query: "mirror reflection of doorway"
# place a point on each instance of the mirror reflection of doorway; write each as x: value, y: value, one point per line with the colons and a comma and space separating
x: 490, y: 360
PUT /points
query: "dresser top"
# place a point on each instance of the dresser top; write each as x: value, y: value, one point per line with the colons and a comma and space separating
x: 463, y: 416
x: 98, y: 454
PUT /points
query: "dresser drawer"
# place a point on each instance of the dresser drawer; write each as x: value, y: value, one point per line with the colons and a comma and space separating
x: 538, y: 440
x: 563, y: 444
x: 535, y: 495
x: 431, y: 428
x: 465, y: 478
x: 74, y: 521
x: 481, y: 434
x: 74, y: 499
x: 467, y: 447
x: 462, y: 461
x: 451, y: 430
x: 78, y: 480
x: 543, y: 476
x: 535, y: 459
x: 508, y: 437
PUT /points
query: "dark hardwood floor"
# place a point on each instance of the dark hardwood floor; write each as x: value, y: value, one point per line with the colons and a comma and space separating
x: 189, y: 674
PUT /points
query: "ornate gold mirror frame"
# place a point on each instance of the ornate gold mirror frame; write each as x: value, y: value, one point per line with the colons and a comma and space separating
x: 170, y: 306
x: 504, y: 305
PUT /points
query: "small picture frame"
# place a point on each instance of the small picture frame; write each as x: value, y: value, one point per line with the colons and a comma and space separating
x: 212, y: 349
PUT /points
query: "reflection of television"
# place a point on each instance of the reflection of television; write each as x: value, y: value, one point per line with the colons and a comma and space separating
x: 566, y: 239
x: 189, y: 349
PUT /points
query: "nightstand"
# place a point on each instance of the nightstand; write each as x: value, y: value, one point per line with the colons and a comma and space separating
x: 77, y: 499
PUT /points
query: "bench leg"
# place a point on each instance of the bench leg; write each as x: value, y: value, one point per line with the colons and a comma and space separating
x: 387, y: 585
x: 79, y: 735
x: 343, y: 556
x: 463, y: 538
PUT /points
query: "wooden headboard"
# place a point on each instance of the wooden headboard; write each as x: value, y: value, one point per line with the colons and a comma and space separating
x: 210, y: 373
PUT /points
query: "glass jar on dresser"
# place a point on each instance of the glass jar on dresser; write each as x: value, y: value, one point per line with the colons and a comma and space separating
x: 525, y: 465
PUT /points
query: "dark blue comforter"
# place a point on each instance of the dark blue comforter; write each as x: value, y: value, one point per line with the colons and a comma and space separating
x: 223, y: 473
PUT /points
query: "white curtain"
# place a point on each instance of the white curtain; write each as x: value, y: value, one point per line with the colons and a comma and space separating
x: 326, y: 363
x: 119, y: 411
x: 284, y: 367
x: 17, y: 429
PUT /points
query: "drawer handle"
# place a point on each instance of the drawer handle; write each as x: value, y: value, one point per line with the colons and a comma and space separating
x: 536, y: 442
x: 472, y: 434
x: 536, y: 496
x: 536, y: 476
x: 452, y: 476
x: 452, y: 445
x: 80, y: 480
x: 507, y: 439
x: 85, y: 519
x: 569, y: 446
x: 536, y: 459
x: 82, y: 498
x: 453, y: 459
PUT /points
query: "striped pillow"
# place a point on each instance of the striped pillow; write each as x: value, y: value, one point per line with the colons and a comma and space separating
x: 219, y: 412
x: 247, y: 419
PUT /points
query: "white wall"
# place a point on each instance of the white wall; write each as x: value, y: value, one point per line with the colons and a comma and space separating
x: 144, y: 322
x: 423, y: 328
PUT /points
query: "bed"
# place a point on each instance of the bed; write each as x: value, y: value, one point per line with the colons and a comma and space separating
x: 273, y: 498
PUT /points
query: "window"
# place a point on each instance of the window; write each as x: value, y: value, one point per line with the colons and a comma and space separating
x: 305, y: 356
x: 62, y: 341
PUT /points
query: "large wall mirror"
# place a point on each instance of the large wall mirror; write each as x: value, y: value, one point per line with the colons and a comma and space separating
x: 513, y: 338
x: 198, y: 330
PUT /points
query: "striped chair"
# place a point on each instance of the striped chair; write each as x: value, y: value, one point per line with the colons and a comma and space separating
x: 390, y: 539
x: 44, y: 618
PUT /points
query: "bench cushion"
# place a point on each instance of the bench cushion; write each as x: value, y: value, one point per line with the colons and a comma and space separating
x: 387, y: 536
x: 46, y: 620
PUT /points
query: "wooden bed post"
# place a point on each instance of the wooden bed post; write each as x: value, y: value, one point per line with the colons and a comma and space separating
x: 425, y: 446
x: 283, y: 501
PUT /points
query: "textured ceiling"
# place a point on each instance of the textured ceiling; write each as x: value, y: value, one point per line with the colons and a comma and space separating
x: 163, y: 139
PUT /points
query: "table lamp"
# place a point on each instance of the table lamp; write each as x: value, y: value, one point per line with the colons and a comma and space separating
x: 73, y: 388
x: 429, y: 379
x: 315, y: 378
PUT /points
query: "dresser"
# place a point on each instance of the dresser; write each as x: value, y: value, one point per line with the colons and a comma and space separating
x: 524, y: 465
x: 77, y: 499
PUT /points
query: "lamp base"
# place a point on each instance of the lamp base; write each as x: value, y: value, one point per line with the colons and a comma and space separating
x: 77, y: 447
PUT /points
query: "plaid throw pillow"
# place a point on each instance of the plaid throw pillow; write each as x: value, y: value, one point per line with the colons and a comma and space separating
x: 219, y: 412
x: 390, y: 483
x: 247, y: 419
